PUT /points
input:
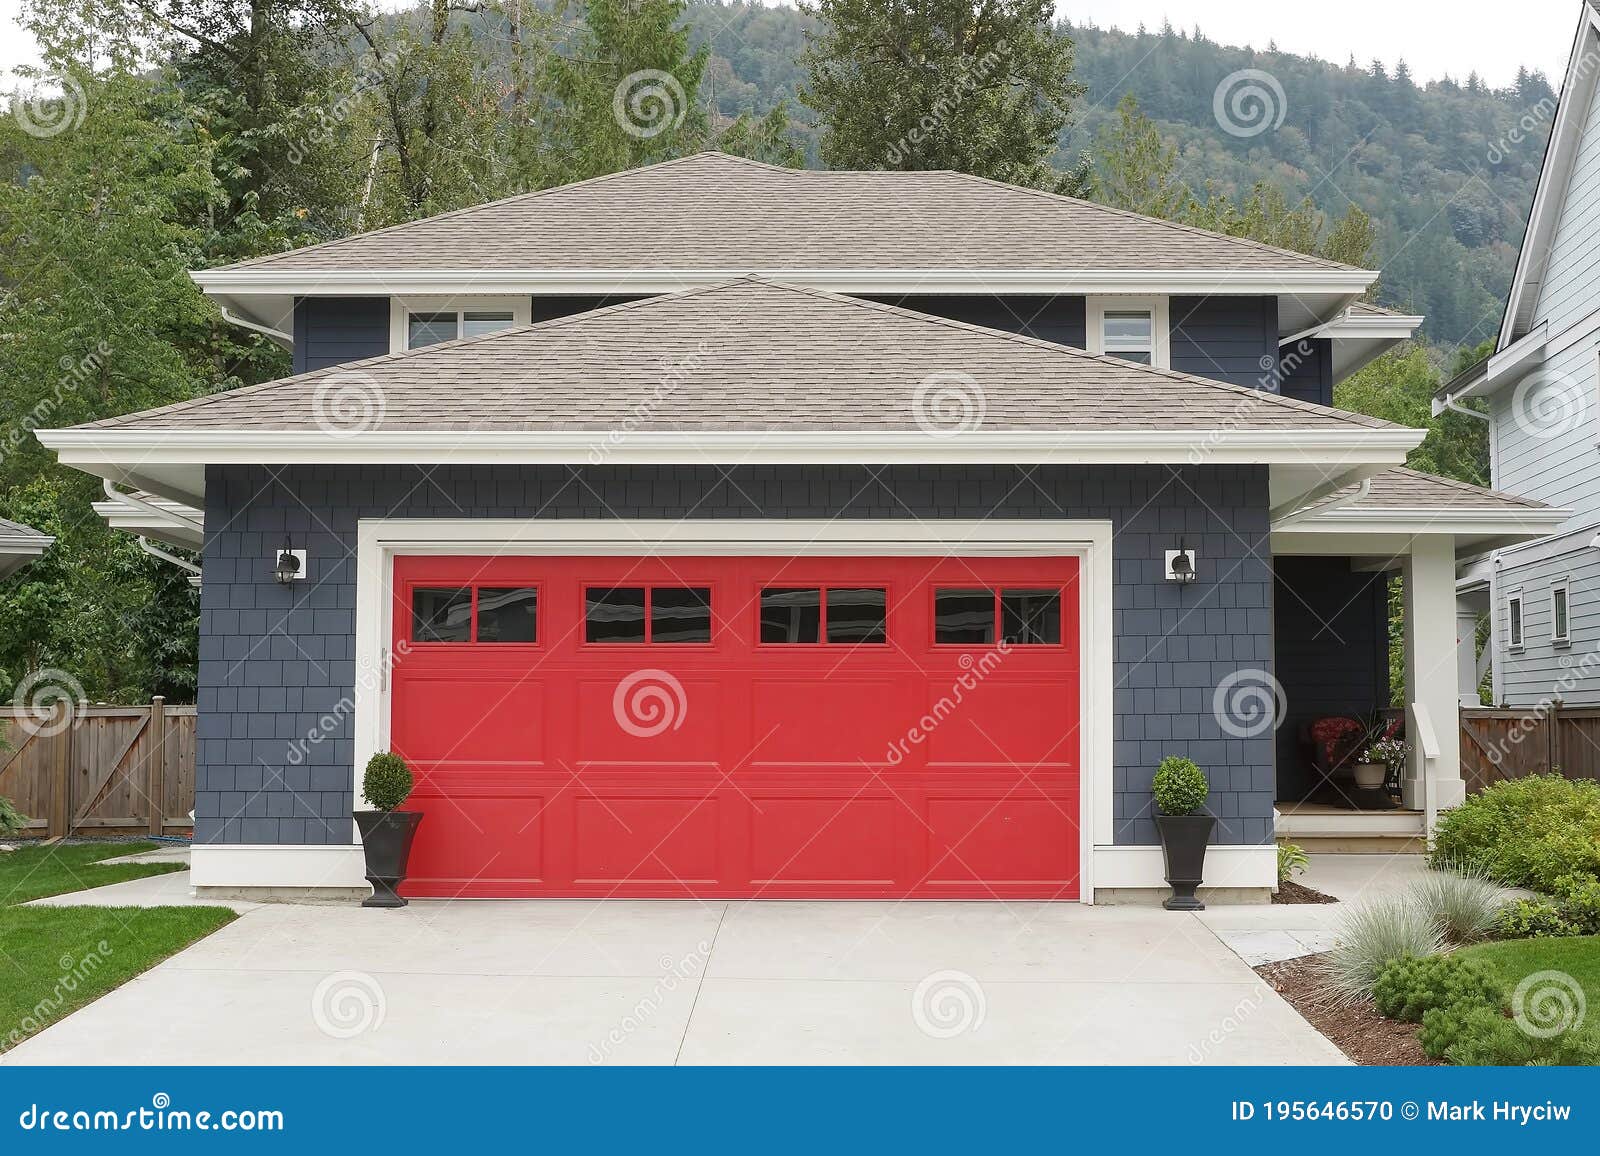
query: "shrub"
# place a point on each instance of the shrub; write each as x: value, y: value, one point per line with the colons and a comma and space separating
x: 387, y: 781
x: 1373, y: 934
x: 1480, y: 1035
x: 1407, y: 987
x: 1532, y: 919
x: 1525, y: 832
x: 1465, y: 905
x: 12, y: 821
x: 1580, y: 903
x: 1292, y: 860
x: 1180, y: 786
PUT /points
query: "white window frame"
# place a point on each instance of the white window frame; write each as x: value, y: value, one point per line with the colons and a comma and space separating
x: 1563, y: 587
x: 401, y: 308
x: 1517, y: 624
x: 1096, y: 308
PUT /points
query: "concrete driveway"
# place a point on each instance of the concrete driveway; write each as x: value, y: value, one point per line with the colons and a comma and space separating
x: 579, y: 982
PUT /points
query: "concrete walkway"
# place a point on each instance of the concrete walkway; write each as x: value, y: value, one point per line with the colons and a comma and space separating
x: 580, y: 982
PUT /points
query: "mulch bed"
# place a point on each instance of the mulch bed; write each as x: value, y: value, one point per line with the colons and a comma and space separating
x: 1359, y: 1031
x: 1292, y: 892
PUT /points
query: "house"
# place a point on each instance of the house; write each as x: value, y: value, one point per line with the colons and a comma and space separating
x: 1540, y: 387
x: 717, y: 529
x: 20, y: 545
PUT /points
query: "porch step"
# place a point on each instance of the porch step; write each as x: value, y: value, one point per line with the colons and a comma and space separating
x: 1332, y: 830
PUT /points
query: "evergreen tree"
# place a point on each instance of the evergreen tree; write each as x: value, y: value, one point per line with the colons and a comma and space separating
x: 983, y: 88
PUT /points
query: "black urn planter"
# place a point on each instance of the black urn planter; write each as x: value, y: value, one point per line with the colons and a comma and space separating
x: 386, y: 838
x: 1183, y: 844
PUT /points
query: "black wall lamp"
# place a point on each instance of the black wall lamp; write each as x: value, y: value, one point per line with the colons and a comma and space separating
x: 1180, y: 564
x: 290, y: 565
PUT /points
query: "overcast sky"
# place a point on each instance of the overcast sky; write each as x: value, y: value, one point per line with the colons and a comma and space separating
x: 1434, y: 36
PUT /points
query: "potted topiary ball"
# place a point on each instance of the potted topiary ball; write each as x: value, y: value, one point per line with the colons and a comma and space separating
x: 1180, y: 789
x: 386, y: 833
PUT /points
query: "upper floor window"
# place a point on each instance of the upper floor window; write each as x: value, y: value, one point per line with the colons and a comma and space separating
x: 1514, y: 621
x: 1132, y: 328
x: 1560, y: 615
x: 415, y: 324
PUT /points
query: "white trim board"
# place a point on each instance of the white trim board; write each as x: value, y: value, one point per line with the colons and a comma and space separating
x: 381, y: 540
x: 1227, y: 865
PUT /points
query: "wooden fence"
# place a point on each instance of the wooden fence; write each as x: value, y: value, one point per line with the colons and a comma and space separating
x: 1501, y: 744
x: 106, y: 770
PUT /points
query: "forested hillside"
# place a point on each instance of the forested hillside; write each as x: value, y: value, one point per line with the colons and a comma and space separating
x: 1446, y: 170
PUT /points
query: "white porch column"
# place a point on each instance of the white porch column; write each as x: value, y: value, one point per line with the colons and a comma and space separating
x: 1466, y: 652
x: 1432, y: 694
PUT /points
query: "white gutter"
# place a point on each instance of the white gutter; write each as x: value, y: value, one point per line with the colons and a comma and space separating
x: 158, y: 552
x: 170, y: 517
x: 112, y: 447
x: 344, y: 282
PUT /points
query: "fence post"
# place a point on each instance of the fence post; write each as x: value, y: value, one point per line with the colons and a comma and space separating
x: 1554, y: 723
x: 61, y: 774
x: 155, y: 770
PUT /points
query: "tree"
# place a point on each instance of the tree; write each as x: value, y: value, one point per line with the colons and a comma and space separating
x: 982, y: 88
x: 1134, y: 167
x: 624, y: 93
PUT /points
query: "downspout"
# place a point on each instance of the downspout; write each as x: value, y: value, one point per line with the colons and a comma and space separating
x: 157, y: 552
x: 1361, y: 492
x: 233, y: 318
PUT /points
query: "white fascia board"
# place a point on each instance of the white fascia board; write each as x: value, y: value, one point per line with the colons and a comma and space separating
x: 335, y: 283
x: 1426, y: 520
x: 87, y: 448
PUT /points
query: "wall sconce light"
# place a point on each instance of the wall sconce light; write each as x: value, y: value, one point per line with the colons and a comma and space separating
x: 290, y: 565
x: 1180, y: 564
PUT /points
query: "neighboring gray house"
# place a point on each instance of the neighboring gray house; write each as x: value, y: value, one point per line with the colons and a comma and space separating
x: 1542, y: 388
x: 719, y: 529
x: 20, y: 545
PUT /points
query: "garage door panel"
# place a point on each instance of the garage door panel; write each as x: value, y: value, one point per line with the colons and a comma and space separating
x: 657, y: 718
x: 1002, y: 839
x: 489, y: 718
x: 1004, y: 725
x: 477, y: 839
x: 841, y: 839
x: 740, y: 767
x: 826, y: 719
x: 671, y: 840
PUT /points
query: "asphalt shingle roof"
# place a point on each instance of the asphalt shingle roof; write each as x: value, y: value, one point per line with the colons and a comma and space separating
x: 713, y: 211
x: 1407, y: 489
x: 747, y: 354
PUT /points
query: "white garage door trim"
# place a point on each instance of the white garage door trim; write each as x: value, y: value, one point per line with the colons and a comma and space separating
x: 380, y: 540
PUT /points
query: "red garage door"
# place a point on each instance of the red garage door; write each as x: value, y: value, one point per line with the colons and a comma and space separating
x: 777, y: 727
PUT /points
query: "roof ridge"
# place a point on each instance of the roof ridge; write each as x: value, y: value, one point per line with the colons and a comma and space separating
x: 1145, y: 217
x: 253, y: 262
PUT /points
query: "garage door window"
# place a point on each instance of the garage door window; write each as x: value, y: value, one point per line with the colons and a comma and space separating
x: 508, y: 614
x: 842, y: 615
x: 976, y: 616
x: 647, y: 614
x: 441, y: 614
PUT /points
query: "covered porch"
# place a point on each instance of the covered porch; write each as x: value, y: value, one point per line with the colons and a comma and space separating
x: 1335, y: 629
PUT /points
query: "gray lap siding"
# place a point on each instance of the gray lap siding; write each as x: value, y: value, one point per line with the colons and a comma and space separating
x: 277, y: 663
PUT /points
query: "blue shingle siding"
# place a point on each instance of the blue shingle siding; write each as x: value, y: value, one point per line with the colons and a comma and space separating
x: 1305, y: 370
x: 277, y: 663
x: 333, y: 330
x: 1057, y: 319
x: 1232, y: 339
x: 1333, y: 652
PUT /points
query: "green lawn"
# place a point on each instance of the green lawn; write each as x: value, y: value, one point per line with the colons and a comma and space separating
x: 1513, y: 960
x: 56, y: 959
